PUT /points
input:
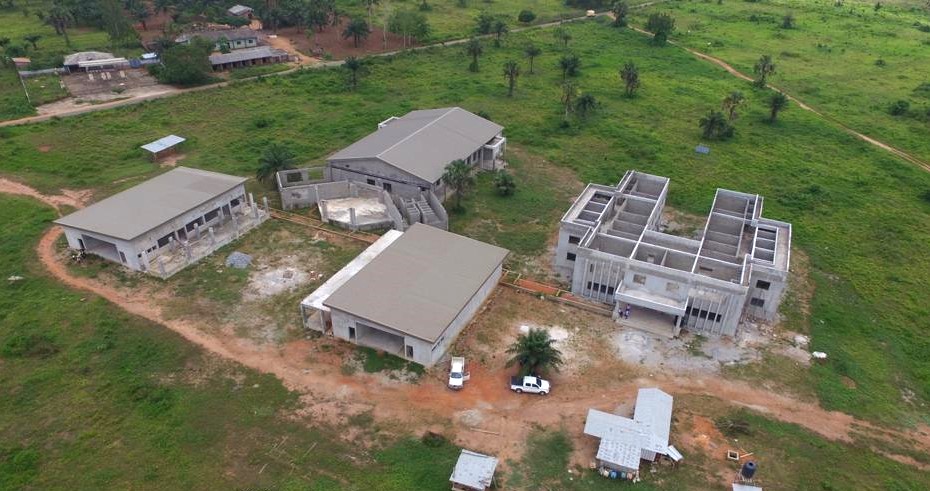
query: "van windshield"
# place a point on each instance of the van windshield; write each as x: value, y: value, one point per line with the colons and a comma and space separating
x: 455, y: 375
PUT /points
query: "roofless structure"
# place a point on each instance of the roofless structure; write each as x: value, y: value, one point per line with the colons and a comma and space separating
x: 167, y: 222
x: 409, y: 294
x: 611, y: 247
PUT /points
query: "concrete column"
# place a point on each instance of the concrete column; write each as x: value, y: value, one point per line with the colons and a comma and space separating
x: 161, y: 266
x: 324, y: 213
x: 145, y: 261
x: 212, y: 236
x: 236, y: 224
x: 316, y: 194
x: 352, y: 219
x: 188, y: 252
x: 197, y: 231
x: 265, y: 202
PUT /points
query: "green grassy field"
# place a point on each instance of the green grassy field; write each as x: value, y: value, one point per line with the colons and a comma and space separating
x: 850, y: 62
x: 92, y: 398
x: 51, y: 47
x: 45, y: 89
x: 13, y: 101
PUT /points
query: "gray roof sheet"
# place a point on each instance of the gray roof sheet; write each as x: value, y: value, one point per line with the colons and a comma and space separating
x: 246, y: 54
x: 163, y: 143
x: 75, y: 58
x: 419, y: 283
x: 654, y: 408
x: 131, y: 213
x: 239, y: 9
x: 217, y: 34
x: 424, y: 142
x: 474, y: 470
x: 620, y: 453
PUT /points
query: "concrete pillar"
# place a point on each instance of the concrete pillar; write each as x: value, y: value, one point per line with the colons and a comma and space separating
x: 352, y: 219
x: 212, y: 236
x: 197, y: 231
x: 188, y: 252
x: 236, y: 225
x: 265, y: 202
x: 161, y: 266
x: 316, y: 194
x: 324, y: 213
x: 145, y: 261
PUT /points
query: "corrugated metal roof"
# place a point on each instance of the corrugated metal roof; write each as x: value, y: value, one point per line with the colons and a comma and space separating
x: 246, y: 54
x: 239, y: 9
x: 474, y: 470
x: 619, y: 453
x: 217, y: 34
x: 141, y: 208
x: 422, y: 143
x: 419, y: 283
x: 75, y: 58
x: 163, y: 143
x: 654, y: 408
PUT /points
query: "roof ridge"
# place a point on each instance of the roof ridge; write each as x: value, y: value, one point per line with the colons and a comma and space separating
x: 388, y: 149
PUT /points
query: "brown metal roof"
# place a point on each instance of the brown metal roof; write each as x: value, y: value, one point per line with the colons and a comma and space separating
x: 420, y: 283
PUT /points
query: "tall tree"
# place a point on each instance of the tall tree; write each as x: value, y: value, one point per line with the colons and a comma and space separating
x: 630, y: 76
x: 114, y: 20
x: 569, y: 91
x: 459, y: 178
x: 410, y: 25
x: 141, y: 13
x: 715, y: 126
x: 357, y: 29
x: 186, y: 64
x: 532, y: 51
x: 356, y: 68
x: 275, y: 158
x: 474, y: 49
x: 764, y: 68
x: 500, y: 28
x: 33, y: 39
x: 535, y: 352
x: 661, y: 25
x: 620, y: 10
x: 777, y: 104
x: 370, y: 6
x: 60, y: 17
x: 562, y: 36
x: 731, y: 103
x: 586, y: 105
x: 570, y: 64
x: 511, y: 72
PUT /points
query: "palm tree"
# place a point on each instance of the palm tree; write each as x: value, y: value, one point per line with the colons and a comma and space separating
x: 511, y: 71
x: 532, y: 51
x: 569, y: 65
x: 141, y: 13
x: 630, y: 76
x: 356, y: 67
x: 500, y: 28
x: 715, y: 126
x: 504, y: 183
x: 585, y: 105
x: 33, y: 39
x: 569, y: 91
x: 778, y: 103
x: 621, y: 10
x: 731, y: 103
x: 535, y: 352
x: 458, y: 177
x: 474, y: 49
x: 357, y: 29
x: 275, y: 158
x: 764, y: 67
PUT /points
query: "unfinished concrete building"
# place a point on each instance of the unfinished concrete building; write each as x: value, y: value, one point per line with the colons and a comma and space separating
x: 612, y: 250
x: 407, y: 155
x: 408, y: 294
x: 167, y: 222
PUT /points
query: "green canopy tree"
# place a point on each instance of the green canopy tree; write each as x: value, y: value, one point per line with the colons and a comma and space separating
x: 764, y: 68
x: 535, y: 352
x: 715, y: 126
x: 586, y: 105
x: 186, y: 64
x: 500, y: 28
x: 621, y: 11
x: 473, y: 49
x: 777, y: 104
x: 33, y: 39
x: 570, y: 65
x: 532, y: 51
x: 356, y: 68
x: 630, y: 76
x: 731, y: 103
x: 459, y: 179
x: 357, y: 29
x: 504, y: 183
x: 511, y: 72
x: 661, y: 25
x: 569, y: 91
x: 275, y: 158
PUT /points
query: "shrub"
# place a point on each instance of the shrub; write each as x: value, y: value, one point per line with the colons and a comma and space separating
x: 662, y: 25
x: 526, y: 16
x: 28, y: 346
x: 880, y: 62
x: 899, y: 108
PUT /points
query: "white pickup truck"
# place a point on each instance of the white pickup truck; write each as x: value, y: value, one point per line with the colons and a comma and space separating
x: 457, y: 373
x: 529, y: 384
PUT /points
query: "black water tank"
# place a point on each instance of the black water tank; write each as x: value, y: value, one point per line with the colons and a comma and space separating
x: 748, y: 470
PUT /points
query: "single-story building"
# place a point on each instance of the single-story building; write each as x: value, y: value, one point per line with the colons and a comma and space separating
x: 408, y: 155
x: 21, y: 62
x: 73, y: 61
x: 409, y: 294
x: 167, y: 222
x: 240, y: 11
x: 473, y: 471
x: 163, y: 146
x: 234, y: 39
x: 624, y: 441
x: 261, y: 55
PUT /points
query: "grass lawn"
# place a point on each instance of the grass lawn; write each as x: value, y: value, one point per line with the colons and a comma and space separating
x: 850, y: 62
x: 13, y: 101
x: 92, y: 398
x: 45, y: 89
x: 51, y: 47
x: 861, y: 215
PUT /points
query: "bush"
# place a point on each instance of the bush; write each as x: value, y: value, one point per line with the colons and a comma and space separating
x: 185, y: 64
x: 586, y: 4
x: 526, y: 16
x: 28, y: 346
x: 661, y: 25
x: 899, y: 108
